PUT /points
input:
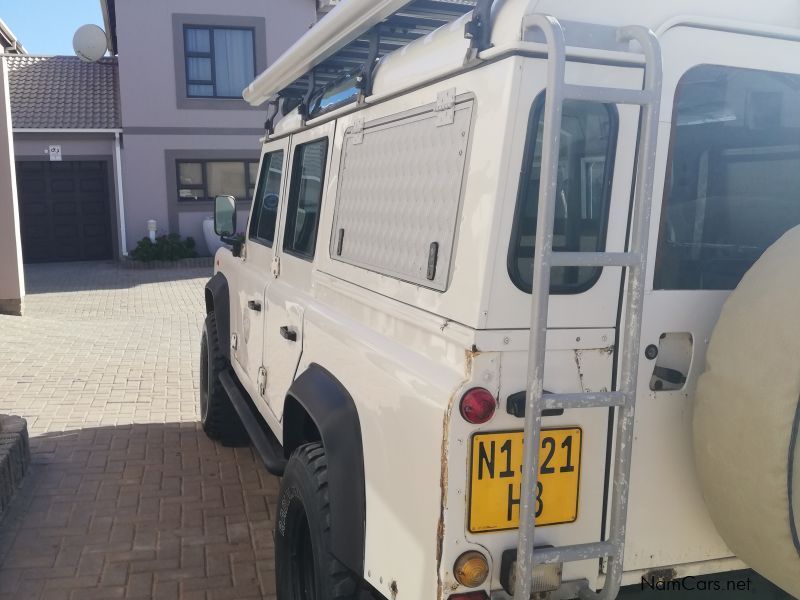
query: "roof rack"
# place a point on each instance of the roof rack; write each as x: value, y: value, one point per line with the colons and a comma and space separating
x: 353, y: 36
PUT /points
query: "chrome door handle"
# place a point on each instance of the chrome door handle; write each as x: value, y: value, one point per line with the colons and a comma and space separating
x: 254, y: 305
x: 288, y: 334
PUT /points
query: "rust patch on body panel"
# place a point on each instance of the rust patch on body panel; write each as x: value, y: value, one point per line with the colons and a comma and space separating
x: 469, y: 356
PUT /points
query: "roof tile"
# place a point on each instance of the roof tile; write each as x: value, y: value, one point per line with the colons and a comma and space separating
x: 63, y: 92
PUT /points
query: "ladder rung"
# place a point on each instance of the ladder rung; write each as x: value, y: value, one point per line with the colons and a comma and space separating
x: 594, y: 259
x: 583, y: 400
x: 607, y: 95
x: 574, y: 552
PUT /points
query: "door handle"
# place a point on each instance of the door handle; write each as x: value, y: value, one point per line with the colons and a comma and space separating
x: 288, y: 334
x: 254, y: 305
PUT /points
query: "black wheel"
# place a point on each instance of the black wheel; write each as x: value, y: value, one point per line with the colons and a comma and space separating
x: 219, y: 418
x: 305, y: 568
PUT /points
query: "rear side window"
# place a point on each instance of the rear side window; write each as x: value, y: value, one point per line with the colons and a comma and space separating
x: 305, y: 199
x: 733, y: 182
x: 265, y: 204
x: 588, y: 139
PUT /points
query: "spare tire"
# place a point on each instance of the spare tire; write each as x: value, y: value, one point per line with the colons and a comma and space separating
x: 747, y: 415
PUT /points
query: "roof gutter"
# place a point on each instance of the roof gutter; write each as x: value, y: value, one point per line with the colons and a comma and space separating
x: 345, y: 23
x: 64, y: 130
x: 110, y: 21
x: 10, y: 42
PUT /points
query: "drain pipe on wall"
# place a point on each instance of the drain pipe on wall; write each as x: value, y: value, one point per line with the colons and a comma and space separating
x: 123, y: 235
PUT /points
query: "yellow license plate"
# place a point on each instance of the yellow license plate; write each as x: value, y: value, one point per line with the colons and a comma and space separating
x: 496, y: 479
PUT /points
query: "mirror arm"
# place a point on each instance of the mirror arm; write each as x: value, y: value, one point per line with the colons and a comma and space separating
x: 235, y: 243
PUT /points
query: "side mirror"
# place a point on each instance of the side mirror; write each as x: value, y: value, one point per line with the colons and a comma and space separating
x: 225, y: 216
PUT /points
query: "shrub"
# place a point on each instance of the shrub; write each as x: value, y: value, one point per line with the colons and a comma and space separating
x: 166, y: 247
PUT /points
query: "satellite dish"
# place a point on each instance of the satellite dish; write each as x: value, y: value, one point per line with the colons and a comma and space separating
x: 90, y: 43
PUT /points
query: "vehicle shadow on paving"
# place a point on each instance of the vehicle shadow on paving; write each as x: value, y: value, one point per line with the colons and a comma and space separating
x: 139, y: 511
x: 43, y: 278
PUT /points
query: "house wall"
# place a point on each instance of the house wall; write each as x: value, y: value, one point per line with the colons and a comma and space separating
x: 154, y: 192
x: 12, y: 282
x: 72, y: 144
x: 158, y: 119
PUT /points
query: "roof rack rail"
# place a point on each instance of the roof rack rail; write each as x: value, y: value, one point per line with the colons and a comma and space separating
x: 354, y: 35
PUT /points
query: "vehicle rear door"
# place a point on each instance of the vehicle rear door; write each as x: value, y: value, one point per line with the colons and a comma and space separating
x: 729, y: 167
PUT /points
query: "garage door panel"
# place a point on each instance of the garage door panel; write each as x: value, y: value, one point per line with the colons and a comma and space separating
x: 31, y: 185
x: 92, y: 185
x: 61, y: 186
x: 34, y: 210
x: 93, y: 208
x: 64, y: 210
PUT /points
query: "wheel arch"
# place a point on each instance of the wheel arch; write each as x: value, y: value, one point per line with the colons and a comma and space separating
x: 217, y: 296
x: 318, y: 405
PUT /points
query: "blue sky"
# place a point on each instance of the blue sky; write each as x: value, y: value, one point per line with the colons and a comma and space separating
x: 47, y: 26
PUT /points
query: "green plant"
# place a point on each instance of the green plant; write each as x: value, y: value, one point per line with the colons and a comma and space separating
x: 166, y: 247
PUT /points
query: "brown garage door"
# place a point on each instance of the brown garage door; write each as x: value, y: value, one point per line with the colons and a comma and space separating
x: 64, y: 210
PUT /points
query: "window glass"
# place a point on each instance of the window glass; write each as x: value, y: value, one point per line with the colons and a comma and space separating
x: 190, y: 181
x: 733, y: 182
x: 588, y: 139
x: 198, y: 40
x: 305, y: 198
x: 220, y: 62
x: 190, y: 173
x: 226, y: 178
x: 203, y: 180
x: 265, y: 204
x: 198, y: 69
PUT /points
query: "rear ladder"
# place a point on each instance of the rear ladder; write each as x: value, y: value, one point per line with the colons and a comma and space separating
x: 634, y: 260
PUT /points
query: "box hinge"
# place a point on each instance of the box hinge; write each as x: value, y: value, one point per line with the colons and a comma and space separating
x: 276, y: 266
x: 357, y: 130
x: 262, y: 381
x: 446, y: 107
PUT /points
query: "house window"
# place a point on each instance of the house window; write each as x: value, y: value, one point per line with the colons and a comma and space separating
x: 205, y: 179
x: 220, y: 62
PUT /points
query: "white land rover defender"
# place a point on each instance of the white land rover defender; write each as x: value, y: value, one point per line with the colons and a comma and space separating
x: 471, y: 256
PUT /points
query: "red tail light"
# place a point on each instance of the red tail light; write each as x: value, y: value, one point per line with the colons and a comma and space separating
x: 477, y: 406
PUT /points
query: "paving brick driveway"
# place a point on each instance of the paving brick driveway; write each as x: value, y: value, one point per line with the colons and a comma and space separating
x: 126, y: 498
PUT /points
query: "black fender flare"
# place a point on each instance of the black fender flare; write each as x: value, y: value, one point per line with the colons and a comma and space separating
x: 329, y: 405
x: 218, y: 300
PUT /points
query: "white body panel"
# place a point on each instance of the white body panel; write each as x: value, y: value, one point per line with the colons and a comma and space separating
x: 407, y: 349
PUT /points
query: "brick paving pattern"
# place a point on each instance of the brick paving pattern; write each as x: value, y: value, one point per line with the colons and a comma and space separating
x: 126, y: 497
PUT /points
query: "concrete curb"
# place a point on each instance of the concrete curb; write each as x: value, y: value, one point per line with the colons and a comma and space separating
x: 15, y: 456
x: 184, y: 263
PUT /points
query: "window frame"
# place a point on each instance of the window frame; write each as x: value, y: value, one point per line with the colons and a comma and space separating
x: 294, y: 189
x: 261, y: 177
x: 535, y: 115
x: 210, y: 55
x: 203, y: 162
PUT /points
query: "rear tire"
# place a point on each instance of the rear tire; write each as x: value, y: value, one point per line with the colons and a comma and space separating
x: 305, y: 568
x: 219, y: 419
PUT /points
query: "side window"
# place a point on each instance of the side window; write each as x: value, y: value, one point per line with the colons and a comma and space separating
x: 267, y: 198
x: 305, y: 199
x: 588, y: 140
x: 733, y: 180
